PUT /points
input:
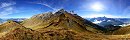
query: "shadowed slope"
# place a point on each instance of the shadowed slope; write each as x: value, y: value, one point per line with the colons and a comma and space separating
x: 122, y: 31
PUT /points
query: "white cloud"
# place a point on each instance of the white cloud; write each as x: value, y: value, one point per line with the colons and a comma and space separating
x: 7, y: 8
x: 49, y: 5
x: 46, y: 5
x: 6, y: 11
x: 5, y: 4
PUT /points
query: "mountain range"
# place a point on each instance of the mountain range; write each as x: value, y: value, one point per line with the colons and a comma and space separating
x: 3, y: 20
x: 103, y: 21
x: 60, y: 25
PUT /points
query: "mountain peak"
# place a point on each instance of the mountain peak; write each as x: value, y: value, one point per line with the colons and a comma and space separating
x: 61, y: 10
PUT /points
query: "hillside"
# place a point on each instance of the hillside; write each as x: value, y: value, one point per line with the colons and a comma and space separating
x: 122, y: 31
x: 49, y: 34
x: 60, y: 19
x: 8, y: 26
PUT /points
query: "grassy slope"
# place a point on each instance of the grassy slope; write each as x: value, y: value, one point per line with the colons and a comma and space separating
x: 122, y: 31
x: 8, y: 26
x: 49, y: 34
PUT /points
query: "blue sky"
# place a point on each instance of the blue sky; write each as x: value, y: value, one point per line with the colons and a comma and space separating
x: 84, y: 8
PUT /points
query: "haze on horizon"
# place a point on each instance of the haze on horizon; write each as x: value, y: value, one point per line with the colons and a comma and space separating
x: 84, y: 8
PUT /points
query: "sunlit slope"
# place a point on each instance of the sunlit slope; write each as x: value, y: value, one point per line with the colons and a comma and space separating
x: 8, y: 26
x: 60, y: 19
x: 49, y: 34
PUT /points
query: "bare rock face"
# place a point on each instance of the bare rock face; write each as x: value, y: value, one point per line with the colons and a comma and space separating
x: 43, y: 16
x: 60, y: 19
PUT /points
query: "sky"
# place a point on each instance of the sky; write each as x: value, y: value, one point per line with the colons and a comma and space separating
x: 84, y: 8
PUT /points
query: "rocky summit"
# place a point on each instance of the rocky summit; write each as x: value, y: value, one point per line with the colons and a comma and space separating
x: 61, y: 25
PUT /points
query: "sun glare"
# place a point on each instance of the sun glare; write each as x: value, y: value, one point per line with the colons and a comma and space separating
x: 97, y: 6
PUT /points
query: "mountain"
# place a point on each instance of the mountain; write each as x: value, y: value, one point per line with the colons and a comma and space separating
x: 124, y: 20
x: 18, y: 20
x: 61, y: 25
x: 1, y: 21
x: 110, y: 24
x: 102, y: 21
x: 60, y: 19
x: 122, y: 31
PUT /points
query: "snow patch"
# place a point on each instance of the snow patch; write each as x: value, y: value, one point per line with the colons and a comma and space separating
x: 96, y: 21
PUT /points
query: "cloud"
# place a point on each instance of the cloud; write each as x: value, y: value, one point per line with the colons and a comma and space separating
x: 7, y: 8
x: 47, y: 5
x: 50, y: 4
x: 5, y: 4
x: 6, y: 11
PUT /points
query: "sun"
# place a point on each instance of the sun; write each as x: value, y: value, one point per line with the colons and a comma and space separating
x: 97, y: 6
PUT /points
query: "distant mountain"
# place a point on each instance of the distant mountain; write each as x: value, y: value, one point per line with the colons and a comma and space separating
x: 114, y: 21
x: 103, y: 21
x: 17, y: 19
x: 3, y: 20
x: 124, y: 20
x: 108, y: 23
